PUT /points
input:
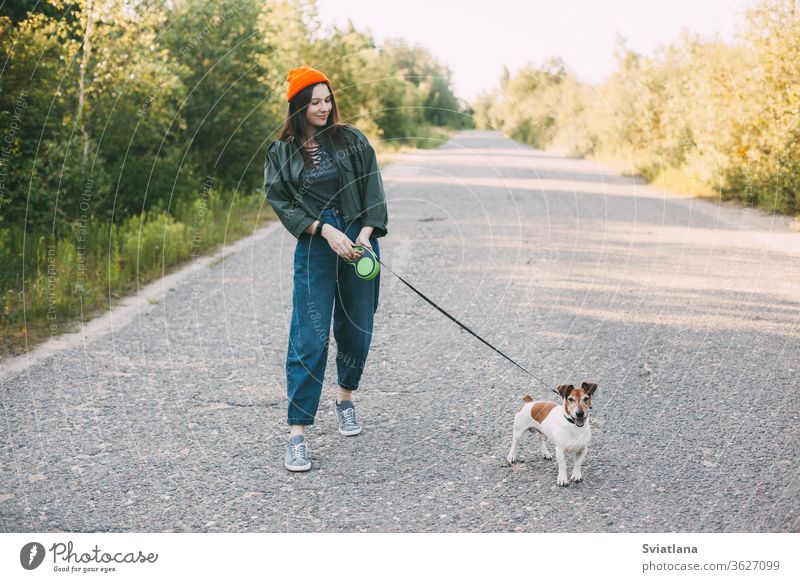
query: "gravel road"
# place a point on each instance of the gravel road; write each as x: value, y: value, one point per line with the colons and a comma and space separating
x: 686, y: 313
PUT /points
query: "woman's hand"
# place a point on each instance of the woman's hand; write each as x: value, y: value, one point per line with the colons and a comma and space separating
x: 339, y: 242
x: 363, y: 237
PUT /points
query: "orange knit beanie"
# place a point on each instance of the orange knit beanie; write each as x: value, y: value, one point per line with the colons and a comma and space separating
x: 301, y: 77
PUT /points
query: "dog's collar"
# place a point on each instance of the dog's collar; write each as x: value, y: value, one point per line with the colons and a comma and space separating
x: 569, y: 419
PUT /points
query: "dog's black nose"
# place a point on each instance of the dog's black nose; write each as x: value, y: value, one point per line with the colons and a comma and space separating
x: 580, y: 413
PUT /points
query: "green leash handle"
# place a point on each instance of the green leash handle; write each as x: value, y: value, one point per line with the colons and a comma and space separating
x: 367, y: 265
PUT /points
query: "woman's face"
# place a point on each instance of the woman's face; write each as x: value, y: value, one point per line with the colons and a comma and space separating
x: 319, y: 108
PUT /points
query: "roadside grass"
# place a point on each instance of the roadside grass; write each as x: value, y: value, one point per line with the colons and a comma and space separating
x: 89, y: 269
x: 666, y: 178
x: 679, y: 181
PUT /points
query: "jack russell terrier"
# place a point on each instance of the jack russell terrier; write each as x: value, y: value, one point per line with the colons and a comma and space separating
x: 567, y: 426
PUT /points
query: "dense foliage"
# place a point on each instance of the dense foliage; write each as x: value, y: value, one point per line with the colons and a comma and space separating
x: 133, y: 132
x: 701, y: 115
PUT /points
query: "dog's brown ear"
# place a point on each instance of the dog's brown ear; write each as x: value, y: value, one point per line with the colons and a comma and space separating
x: 589, y: 387
x: 565, y: 389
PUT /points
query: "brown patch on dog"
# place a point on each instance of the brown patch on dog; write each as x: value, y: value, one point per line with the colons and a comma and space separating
x: 586, y: 390
x: 571, y: 407
x: 589, y: 387
x: 540, y: 410
x: 565, y: 389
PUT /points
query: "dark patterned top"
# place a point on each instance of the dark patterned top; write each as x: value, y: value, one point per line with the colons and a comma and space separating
x: 321, y: 180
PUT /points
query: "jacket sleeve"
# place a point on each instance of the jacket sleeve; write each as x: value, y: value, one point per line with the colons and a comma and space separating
x: 289, y: 212
x: 373, y: 195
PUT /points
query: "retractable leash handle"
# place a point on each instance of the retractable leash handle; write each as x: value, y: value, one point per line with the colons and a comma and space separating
x: 367, y: 266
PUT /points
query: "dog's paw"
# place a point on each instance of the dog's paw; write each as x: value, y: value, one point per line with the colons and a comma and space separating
x: 548, y: 456
x: 576, y: 478
x: 512, y: 458
x: 562, y: 481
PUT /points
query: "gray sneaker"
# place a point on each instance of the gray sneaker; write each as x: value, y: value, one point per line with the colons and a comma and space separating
x: 297, y: 454
x: 348, y: 425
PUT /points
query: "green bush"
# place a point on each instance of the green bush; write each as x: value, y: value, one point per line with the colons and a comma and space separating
x: 78, y: 273
x: 724, y: 116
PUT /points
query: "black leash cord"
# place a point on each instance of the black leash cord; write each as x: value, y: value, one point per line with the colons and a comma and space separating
x: 415, y: 290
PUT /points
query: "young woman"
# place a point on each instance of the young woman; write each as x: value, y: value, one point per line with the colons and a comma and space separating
x: 322, y: 179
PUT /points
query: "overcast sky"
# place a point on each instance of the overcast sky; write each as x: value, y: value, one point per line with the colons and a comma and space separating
x: 475, y: 39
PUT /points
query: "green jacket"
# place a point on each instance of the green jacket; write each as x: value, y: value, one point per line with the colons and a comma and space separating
x: 360, y: 183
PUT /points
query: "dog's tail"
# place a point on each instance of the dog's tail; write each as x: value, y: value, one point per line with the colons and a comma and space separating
x: 527, y: 398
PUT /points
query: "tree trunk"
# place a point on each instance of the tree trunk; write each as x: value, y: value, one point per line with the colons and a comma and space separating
x: 87, y: 51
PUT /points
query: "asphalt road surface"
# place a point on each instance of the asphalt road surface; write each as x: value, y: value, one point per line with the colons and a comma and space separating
x: 686, y: 313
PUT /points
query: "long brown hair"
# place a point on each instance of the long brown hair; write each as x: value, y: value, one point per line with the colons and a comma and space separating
x: 296, y: 123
